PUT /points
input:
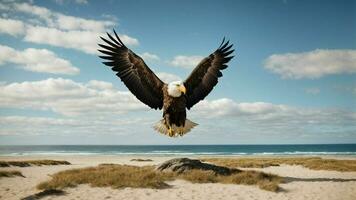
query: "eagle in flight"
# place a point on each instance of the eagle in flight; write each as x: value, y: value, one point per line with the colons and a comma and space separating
x: 174, y: 97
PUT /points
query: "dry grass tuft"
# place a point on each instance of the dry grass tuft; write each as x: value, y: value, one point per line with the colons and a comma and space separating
x: 12, y: 173
x: 121, y: 176
x: 28, y: 163
x: 107, y: 175
x: 264, y: 181
x: 314, y: 163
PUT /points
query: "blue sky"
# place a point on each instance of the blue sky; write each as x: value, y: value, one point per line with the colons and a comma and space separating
x: 292, y: 79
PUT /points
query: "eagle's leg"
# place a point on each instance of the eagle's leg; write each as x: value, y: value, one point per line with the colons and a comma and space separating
x: 170, y: 131
x: 181, y: 130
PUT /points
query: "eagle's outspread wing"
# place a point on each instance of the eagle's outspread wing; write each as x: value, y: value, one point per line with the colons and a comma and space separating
x: 133, y: 71
x: 205, y: 76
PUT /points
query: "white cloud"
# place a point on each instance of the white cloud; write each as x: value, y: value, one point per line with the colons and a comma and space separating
x: 82, y: 40
x: 167, y: 77
x: 186, y: 61
x: 53, y: 28
x: 228, y: 107
x: 37, y: 60
x: 313, y: 91
x: 41, y: 12
x: 86, y: 41
x: 69, y: 98
x: 8, y: 120
x: 74, y: 1
x: 23, y: 125
x: 101, y: 85
x: 66, y: 22
x: 267, y: 118
x: 255, y: 119
x: 149, y: 57
x: 11, y: 27
x: 313, y: 64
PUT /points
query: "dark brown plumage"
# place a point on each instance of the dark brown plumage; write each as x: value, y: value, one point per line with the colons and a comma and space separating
x: 149, y: 89
x: 205, y: 76
x: 133, y: 71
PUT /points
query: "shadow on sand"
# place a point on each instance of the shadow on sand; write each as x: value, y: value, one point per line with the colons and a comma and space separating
x: 292, y: 179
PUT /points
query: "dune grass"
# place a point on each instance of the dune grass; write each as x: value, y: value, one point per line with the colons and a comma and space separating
x: 121, y: 176
x: 262, y: 180
x: 12, y: 173
x: 28, y: 163
x: 315, y: 163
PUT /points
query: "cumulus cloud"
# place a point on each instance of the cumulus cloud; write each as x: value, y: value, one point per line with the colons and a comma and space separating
x: 68, y: 97
x: 45, y: 26
x: 37, y: 60
x: 268, y: 118
x: 66, y: 22
x: 82, y: 40
x: 167, y: 77
x: 60, y: 2
x: 24, y: 125
x: 186, y: 61
x: 312, y: 64
x: 227, y: 107
x: 11, y: 27
x: 149, y: 57
x: 257, y: 118
x: 59, y: 20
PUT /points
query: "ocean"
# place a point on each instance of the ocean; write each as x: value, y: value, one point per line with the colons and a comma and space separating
x: 180, y: 150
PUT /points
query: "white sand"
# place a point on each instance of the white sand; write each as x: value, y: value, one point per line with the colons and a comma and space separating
x: 305, y: 184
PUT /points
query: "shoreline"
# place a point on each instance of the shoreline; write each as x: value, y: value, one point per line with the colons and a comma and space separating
x: 164, y: 156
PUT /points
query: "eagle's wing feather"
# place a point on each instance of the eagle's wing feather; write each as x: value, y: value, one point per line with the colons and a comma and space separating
x: 205, y: 76
x: 133, y: 71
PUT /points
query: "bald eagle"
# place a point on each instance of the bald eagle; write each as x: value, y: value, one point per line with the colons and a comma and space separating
x: 174, y: 97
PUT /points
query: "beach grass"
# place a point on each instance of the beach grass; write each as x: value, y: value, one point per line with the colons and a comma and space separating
x: 28, y: 163
x: 121, y: 176
x: 314, y: 163
x: 11, y: 173
x: 263, y: 180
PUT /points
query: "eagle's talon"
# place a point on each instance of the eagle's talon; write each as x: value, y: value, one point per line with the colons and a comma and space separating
x: 170, y: 132
x: 181, y: 131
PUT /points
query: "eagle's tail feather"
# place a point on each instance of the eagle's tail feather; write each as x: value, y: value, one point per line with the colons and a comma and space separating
x: 161, y: 127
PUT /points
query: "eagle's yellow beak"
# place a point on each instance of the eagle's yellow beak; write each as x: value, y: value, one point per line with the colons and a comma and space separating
x: 182, y: 89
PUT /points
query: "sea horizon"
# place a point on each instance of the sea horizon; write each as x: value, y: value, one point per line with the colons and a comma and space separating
x: 181, y: 149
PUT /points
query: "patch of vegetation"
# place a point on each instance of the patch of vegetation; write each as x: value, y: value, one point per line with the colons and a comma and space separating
x: 315, y: 163
x: 141, y: 160
x: 12, y: 173
x: 121, y: 176
x: 108, y: 175
x: 264, y: 181
x: 28, y: 163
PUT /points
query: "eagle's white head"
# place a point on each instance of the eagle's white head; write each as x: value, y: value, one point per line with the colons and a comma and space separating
x: 176, y: 88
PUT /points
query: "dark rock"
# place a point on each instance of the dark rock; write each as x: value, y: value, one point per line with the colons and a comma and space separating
x: 141, y: 160
x: 180, y: 165
x: 44, y: 193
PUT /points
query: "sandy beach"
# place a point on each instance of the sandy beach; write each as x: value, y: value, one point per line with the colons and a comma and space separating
x: 302, y: 183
